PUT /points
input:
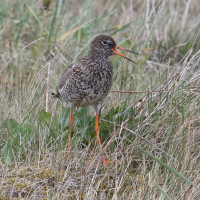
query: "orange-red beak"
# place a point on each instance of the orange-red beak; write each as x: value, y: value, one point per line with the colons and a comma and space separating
x: 119, y: 54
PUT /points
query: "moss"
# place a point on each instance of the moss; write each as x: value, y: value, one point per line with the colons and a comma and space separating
x: 24, y: 179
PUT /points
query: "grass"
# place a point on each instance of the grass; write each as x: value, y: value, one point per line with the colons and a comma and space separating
x: 151, y: 138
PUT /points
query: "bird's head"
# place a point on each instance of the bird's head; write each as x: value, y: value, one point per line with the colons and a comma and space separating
x: 105, y: 46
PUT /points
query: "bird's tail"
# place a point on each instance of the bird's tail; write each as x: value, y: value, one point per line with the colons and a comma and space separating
x: 55, y: 94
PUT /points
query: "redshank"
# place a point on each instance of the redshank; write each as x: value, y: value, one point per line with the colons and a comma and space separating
x: 88, y: 81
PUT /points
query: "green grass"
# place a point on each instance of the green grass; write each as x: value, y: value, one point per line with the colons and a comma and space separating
x: 151, y: 138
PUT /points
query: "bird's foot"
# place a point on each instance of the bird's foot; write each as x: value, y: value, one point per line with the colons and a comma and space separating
x: 105, y: 162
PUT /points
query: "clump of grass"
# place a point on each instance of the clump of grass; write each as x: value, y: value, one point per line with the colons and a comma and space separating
x: 151, y: 137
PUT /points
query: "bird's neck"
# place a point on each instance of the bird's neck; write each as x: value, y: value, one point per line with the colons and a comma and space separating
x: 100, y: 59
x: 93, y: 53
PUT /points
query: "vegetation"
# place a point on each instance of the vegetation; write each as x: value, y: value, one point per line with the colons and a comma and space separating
x: 150, y: 126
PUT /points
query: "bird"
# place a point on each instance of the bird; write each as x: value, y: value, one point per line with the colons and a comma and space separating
x: 88, y: 81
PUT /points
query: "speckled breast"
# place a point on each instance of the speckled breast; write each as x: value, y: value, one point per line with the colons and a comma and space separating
x: 87, y: 85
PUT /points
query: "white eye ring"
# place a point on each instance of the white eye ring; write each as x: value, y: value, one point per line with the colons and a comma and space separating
x: 104, y: 42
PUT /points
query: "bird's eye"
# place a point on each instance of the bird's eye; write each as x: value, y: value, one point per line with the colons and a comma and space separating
x: 104, y: 42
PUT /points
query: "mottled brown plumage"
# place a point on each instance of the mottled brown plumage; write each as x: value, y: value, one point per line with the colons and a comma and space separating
x: 88, y: 81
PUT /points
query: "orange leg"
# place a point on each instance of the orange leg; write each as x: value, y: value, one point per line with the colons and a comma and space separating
x: 97, y: 131
x: 70, y: 133
x: 105, y: 161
